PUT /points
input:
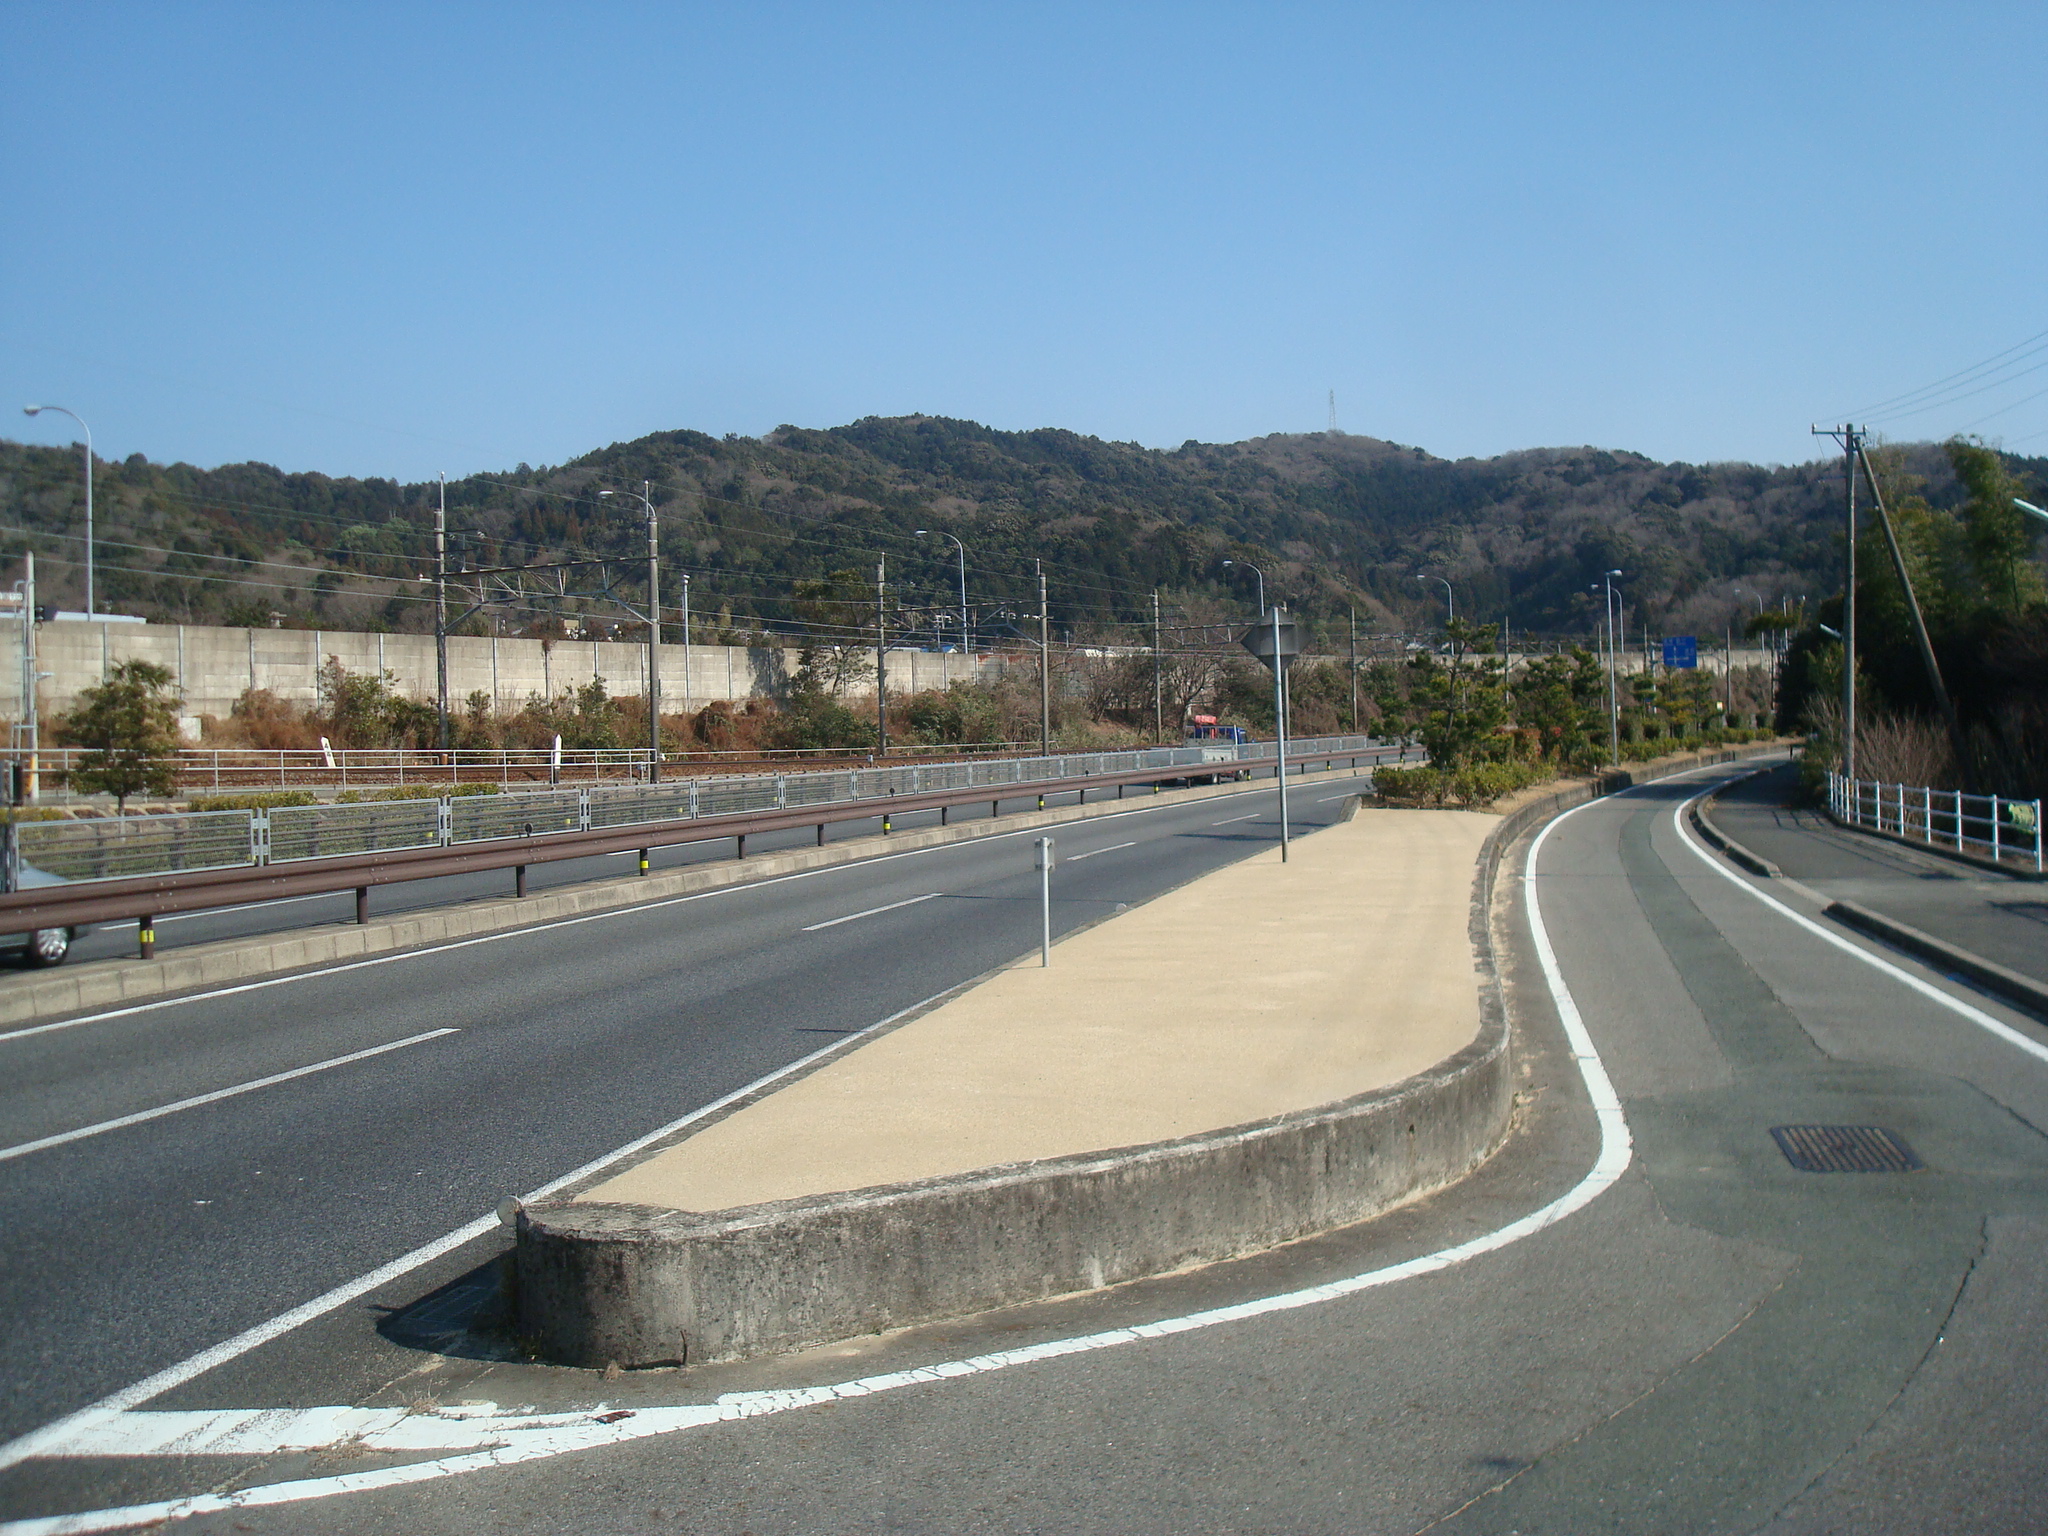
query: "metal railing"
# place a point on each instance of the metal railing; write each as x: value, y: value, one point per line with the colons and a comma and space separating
x: 106, y: 848
x: 205, y: 770
x: 2008, y: 831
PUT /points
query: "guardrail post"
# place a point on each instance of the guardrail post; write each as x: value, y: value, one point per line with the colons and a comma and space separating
x: 145, y: 930
x: 362, y: 905
x: 643, y: 861
x: 519, y: 880
x: 821, y: 834
x: 259, y: 837
x: 781, y: 792
x: 1994, y: 829
x: 583, y: 810
x: 693, y: 798
x: 444, y: 821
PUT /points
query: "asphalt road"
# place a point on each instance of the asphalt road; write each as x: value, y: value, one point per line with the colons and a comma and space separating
x: 1999, y: 916
x: 1717, y: 1341
x: 133, y: 1246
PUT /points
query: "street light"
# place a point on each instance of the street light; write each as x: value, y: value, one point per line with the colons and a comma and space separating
x: 1262, y: 581
x: 2028, y: 506
x: 37, y: 410
x: 1613, y: 648
x: 1450, y: 603
x: 965, y: 645
x: 646, y: 499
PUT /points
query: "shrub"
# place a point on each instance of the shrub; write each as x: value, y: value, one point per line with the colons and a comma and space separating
x: 413, y: 792
x: 259, y: 800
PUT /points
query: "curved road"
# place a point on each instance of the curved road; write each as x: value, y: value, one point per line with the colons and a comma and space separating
x: 1714, y: 1340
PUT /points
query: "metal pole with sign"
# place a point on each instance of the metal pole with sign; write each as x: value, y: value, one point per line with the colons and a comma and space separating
x: 1276, y: 646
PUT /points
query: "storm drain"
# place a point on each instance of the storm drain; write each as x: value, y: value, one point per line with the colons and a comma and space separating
x: 1845, y: 1149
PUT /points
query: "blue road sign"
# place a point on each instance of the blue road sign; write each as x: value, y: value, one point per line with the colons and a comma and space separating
x: 1681, y: 651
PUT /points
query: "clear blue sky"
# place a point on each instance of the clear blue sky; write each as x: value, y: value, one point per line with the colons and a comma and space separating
x: 396, y: 239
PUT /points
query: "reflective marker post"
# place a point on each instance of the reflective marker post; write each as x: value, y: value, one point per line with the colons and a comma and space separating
x: 1045, y: 862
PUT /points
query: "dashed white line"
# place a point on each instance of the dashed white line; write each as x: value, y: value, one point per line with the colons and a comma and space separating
x: 1075, y: 858
x: 853, y: 917
x: 43, y: 1143
x: 1236, y: 819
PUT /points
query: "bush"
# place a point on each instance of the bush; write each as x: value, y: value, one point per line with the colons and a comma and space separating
x: 413, y: 792
x: 260, y: 800
x: 1476, y: 784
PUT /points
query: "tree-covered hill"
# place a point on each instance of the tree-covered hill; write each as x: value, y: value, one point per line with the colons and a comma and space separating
x: 1336, y: 521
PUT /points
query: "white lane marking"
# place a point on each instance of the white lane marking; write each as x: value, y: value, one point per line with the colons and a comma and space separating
x: 527, y: 929
x: 1926, y: 989
x: 58, y: 1430
x: 1075, y: 858
x: 519, y: 1438
x: 22, y: 1149
x: 1236, y: 819
x: 854, y: 917
x: 1326, y: 799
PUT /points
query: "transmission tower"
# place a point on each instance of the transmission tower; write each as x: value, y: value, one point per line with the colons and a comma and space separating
x: 1333, y: 410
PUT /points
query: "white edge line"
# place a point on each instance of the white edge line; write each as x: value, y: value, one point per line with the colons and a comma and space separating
x: 571, y: 922
x: 63, y: 1137
x: 228, y: 1349
x: 1075, y: 858
x: 1233, y: 821
x: 1925, y: 988
x: 854, y: 917
x: 1612, y: 1162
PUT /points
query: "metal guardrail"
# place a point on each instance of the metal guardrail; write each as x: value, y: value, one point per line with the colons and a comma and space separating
x: 144, y: 897
x: 2007, y: 831
x: 121, y: 847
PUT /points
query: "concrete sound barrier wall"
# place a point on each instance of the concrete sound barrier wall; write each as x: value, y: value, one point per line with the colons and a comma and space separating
x: 214, y: 666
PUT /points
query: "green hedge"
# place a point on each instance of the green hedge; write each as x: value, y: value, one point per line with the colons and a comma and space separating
x: 259, y: 800
x: 1476, y: 784
x: 414, y: 792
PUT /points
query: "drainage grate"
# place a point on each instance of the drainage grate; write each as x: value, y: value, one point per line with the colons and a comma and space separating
x: 1845, y: 1149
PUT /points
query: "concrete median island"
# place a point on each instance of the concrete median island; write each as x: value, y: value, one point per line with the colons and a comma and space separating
x: 1271, y: 1051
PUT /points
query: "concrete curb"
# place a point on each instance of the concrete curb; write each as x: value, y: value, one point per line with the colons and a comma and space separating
x: 643, y: 1285
x: 1992, y: 977
x: 112, y: 983
x: 1704, y: 825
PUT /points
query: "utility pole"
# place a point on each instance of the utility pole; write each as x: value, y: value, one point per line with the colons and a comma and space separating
x: 1044, y: 667
x: 31, y: 682
x: 1353, y: 614
x: 1852, y: 444
x: 882, y: 655
x: 1957, y: 743
x: 1158, y: 677
x: 440, y: 615
x: 653, y: 637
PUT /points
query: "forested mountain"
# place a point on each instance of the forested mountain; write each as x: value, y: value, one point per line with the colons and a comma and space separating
x: 1335, y: 520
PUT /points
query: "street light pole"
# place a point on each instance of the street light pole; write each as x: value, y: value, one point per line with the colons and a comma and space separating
x: 1262, y: 581
x: 1450, y: 602
x: 1280, y: 729
x: 1158, y: 677
x: 1613, y: 696
x: 646, y: 497
x: 37, y: 410
x: 964, y: 644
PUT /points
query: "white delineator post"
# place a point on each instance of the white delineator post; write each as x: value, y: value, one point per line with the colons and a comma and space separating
x: 1045, y: 863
